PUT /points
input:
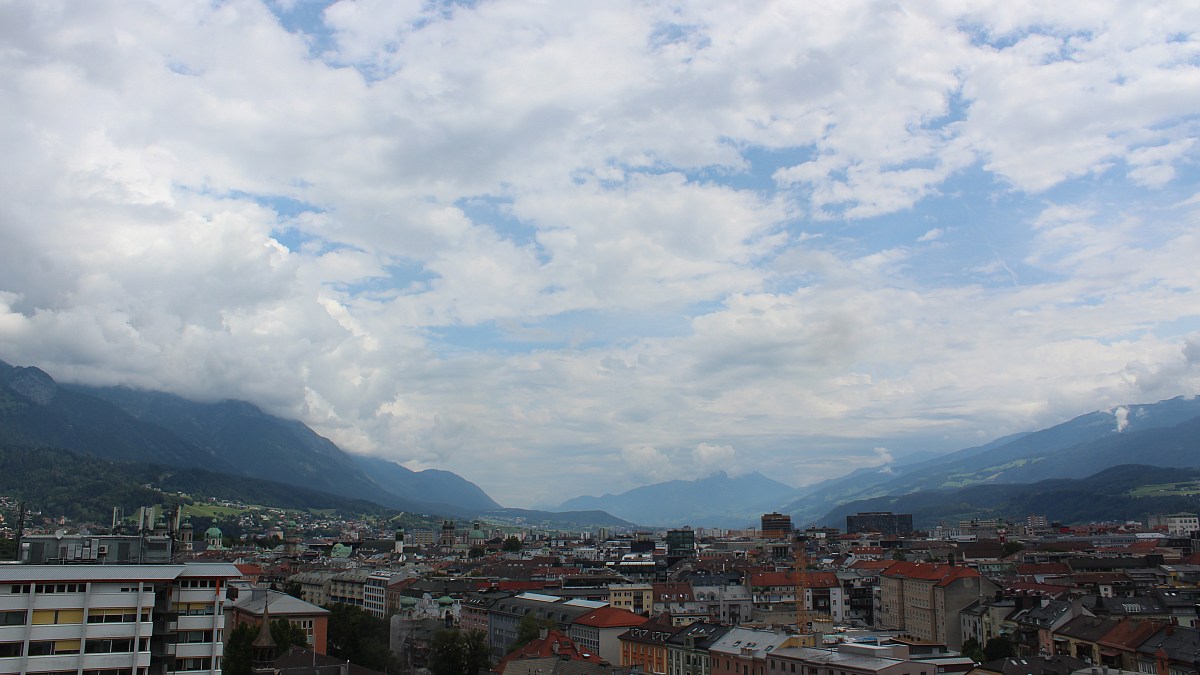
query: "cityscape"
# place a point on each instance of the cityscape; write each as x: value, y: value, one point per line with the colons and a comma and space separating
x: 636, y: 337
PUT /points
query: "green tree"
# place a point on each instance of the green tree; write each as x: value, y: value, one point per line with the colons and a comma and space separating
x: 1011, y: 547
x: 511, y: 545
x: 528, y: 630
x: 8, y: 549
x: 239, y: 650
x: 359, y: 637
x: 973, y: 650
x: 999, y: 647
x: 285, y: 634
x: 455, y: 652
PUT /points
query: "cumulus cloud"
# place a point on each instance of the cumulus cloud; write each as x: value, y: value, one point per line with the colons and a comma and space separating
x: 619, y: 242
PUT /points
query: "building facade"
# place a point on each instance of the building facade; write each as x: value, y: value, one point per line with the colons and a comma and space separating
x: 113, y: 619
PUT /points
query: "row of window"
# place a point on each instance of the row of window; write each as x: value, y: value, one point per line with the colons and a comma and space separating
x: 194, y: 608
x: 62, y: 647
x: 105, y: 671
x: 48, y: 617
x: 48, y: 588
x: 197, y: 583
x: 197, y: 663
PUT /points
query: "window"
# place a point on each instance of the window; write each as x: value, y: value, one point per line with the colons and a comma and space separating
x: 15, y: 617
x: 109, y: 646
x: 10, y: 649
x: 183, y: 665
x: 194, y: 608
x: 192, y: 636
x: 44, y: 617
x: 61, y: 588
x: 117, y: 615
x: 19, y: 588
x: 53, y: 647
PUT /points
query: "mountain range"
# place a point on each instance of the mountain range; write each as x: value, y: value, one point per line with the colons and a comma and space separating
x: 231, y: 438
x: 719, y: 500
x: 1164, y: 434
x: 238, y: 440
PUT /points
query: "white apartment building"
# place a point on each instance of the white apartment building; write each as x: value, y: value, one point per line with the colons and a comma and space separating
x: 112, y: 619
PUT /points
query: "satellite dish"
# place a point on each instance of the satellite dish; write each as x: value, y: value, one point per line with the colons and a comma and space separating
x: 59, y: 534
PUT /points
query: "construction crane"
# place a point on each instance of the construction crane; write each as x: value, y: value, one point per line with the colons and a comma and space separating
x: 811, y: 624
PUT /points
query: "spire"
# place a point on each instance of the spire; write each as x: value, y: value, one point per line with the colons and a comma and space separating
x: 264, y: 644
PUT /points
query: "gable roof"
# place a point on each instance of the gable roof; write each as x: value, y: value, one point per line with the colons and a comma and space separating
x: 610, y: 617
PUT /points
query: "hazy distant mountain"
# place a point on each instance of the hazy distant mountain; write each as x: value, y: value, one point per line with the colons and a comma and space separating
x: 35, y: 411
x: 716, y: 501
x: 1073, y: 449
x: 1105, y: 496
x: 430, y: 485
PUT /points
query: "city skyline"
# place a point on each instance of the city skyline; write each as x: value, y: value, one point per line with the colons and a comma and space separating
x: 546, y: 246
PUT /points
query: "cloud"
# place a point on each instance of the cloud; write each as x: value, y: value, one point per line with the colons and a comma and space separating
x: 544, y: 246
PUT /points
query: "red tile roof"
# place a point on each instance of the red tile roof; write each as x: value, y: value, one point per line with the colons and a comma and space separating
x: 611, y: 617
x: 813, y: 579
x: 555, y: 644
x: 943, y: 575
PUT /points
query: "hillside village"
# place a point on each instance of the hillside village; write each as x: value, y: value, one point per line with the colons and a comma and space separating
x: 872, y: 597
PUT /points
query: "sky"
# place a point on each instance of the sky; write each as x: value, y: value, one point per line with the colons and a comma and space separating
x: 566, y: 248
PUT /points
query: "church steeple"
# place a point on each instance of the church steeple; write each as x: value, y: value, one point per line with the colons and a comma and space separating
x: 263, y: 657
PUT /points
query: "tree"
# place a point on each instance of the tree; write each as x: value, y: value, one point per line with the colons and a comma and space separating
x: 455, y: 652
x: 511, y: 545
x: 359, y: 637
x: 973, y: 650
x: 999, y: 647
x: 285, y: 634
x: 1011, y: 547
x: 239, y: 650
x: 529, y: 629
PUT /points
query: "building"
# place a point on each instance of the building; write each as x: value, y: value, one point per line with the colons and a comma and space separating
x: 1176, y: 524
x: 883, y: 522
x: 250, y: 607
x: 106, y: 549
x: 681, y: 543
x: 645, y: 646
x: 687, y: 649
x: 925, y: 599
x: 776, y: 526
x: 113, y: 619
x: 637, y: 598
x: 598, y: 631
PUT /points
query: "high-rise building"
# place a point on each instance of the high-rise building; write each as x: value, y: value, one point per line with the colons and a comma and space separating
x: 883, y: 522
x: 681, y: 543
x: 776, y: 525
x: 113, y: 619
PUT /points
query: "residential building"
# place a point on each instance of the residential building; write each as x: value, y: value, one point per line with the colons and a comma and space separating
x: 637, y: 598
x: 846, y: 659
x: 924, y: 599
x: 687, y: 649
x: 1176, y: 524
x: 598, y: 631
x: 645, y: 646
x: 113, y: 619
x: 250, y: 607
x: 741, y: 651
